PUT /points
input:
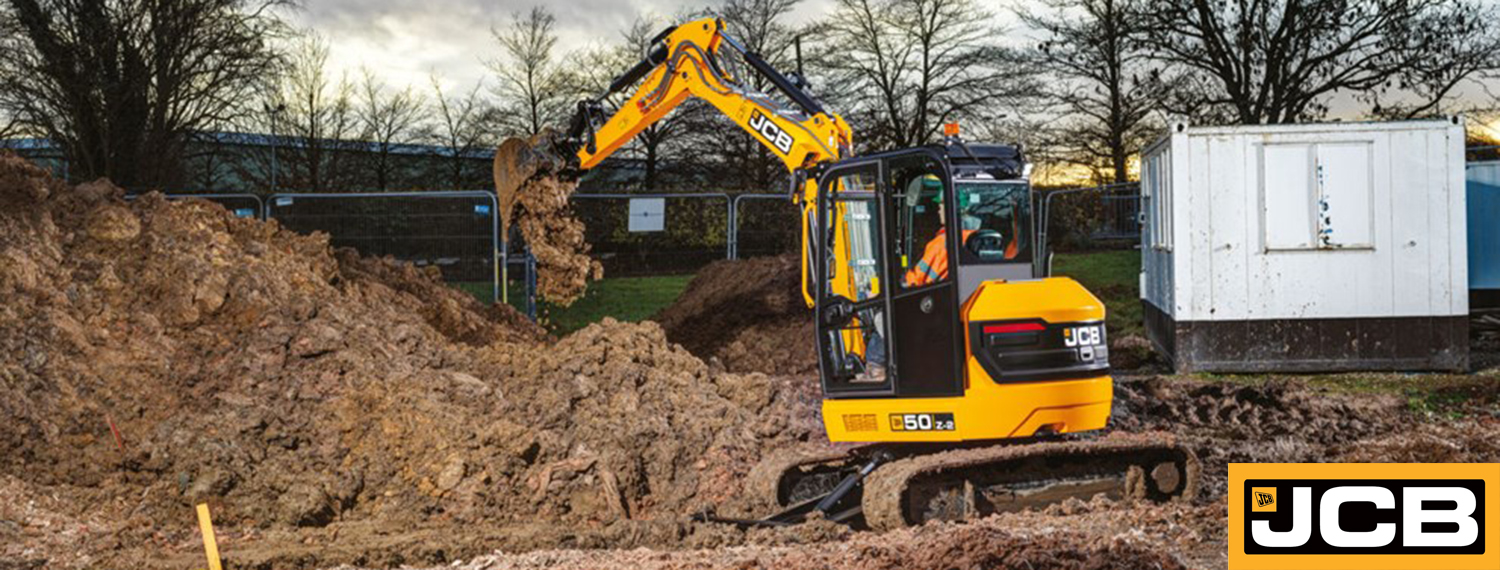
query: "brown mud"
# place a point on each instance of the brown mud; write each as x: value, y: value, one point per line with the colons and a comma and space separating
x: 555, y: 237
x: 164, y: 353
x: 748, y: 314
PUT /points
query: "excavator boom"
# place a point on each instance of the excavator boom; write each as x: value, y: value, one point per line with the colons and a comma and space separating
x: 685, y: 62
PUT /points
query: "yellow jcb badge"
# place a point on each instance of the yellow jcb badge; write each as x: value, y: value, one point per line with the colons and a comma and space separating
x: 1263, y: 499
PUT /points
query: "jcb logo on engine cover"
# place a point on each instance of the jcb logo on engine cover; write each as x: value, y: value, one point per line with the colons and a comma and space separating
x: 1334, y: 515
x: 771, y: 132
x: 1083, y: 336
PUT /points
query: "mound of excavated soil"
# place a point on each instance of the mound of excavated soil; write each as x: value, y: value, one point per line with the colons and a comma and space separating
x: 749, y: 314
x: 294, y: 386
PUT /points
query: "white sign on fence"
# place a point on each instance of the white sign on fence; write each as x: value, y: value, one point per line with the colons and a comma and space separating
x: 648, y: 214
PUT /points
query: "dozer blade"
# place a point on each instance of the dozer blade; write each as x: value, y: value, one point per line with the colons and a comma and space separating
x: 964, y: 483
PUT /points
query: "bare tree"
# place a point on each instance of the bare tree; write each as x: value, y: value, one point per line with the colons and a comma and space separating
x: 461, y: 125
x: 10, y: 126
x: 388, y: 119
x: 917, y: 64
x: 119, y: 84
x: 533, y: 90
x: 1281, y: 61
x: 313, y: 116
x: 1100, y: 78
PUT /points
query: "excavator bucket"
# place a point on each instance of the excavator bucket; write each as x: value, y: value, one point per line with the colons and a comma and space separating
x: 517, y: 160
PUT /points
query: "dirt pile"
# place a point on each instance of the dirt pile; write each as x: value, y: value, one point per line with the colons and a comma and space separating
x: 295, y: 386
x: 749, y: 314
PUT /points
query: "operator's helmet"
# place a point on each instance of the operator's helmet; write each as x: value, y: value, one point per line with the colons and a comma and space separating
x: 923, y: 187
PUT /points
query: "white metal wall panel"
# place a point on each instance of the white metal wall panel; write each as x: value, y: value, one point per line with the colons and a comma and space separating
x: 1179, y: 166
x: 1231, y: 204
x: 1439, y: 265
x: 1411, y: 222
x: 1194, y: 293
x: 1457, y: 286
x: 1287, y: 190
x: 1156, y: 255
x: 1345, y: 195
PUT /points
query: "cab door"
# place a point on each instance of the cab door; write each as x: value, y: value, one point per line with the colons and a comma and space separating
x: 923, y: 267
x: 852, y: 305
x: 882, y: 330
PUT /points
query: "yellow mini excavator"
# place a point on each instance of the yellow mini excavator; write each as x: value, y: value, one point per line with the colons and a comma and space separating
x: 966, y: 375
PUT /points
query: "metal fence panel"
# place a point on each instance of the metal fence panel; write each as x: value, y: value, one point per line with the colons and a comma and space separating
x: 764, y: 225
x: 695, y: 232
x: 1093, y: 217
x: 455, y: 231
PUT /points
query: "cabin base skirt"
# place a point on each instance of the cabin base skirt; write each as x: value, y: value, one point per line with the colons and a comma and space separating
x: 1437, y: 343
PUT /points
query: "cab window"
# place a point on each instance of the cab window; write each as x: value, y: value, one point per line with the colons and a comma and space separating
x: 996, y: 220
x: 921, y: 244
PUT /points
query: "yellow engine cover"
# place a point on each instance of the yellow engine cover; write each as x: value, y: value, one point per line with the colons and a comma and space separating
x: 988, y: 410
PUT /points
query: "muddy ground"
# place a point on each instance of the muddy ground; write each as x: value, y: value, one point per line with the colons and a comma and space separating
x: 338, y: 410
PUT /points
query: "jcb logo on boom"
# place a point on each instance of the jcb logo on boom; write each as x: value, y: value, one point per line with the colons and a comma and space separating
x: 772, y: 133
x: 1359, y: 515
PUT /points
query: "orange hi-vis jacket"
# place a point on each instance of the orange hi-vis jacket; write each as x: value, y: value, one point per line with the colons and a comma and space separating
x: 934, y: 264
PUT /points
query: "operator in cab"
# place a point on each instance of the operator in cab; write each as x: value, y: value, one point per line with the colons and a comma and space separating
x: 934, y: 264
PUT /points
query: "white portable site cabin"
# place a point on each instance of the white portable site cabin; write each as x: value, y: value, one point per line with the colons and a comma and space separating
x: 1311, y: 247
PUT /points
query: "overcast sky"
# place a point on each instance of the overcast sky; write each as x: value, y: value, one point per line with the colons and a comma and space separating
x: 406, y: 40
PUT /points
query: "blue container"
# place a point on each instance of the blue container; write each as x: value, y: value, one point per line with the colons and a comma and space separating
x: 1484, y: 233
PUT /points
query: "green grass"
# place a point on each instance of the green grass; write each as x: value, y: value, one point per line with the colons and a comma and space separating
x: 1433, y: 395
x: 624, y: 298
x: 1114, y: 277
x: 482, y: 290
x: 1110, y: 275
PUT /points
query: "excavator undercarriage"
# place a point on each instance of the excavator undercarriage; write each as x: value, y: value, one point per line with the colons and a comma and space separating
x: 885, y: 486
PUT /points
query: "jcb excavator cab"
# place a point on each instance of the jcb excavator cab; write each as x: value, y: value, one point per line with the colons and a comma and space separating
x: 947, y: 330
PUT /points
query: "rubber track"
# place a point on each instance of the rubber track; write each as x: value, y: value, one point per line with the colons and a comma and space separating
x: 763, y: 483
x: 885, y: 488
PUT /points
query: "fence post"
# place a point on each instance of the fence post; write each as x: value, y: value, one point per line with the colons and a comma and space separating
x: 729, y: 233
x: 531, y: 286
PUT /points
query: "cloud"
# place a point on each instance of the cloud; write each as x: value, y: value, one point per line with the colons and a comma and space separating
x: 405, y: 41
